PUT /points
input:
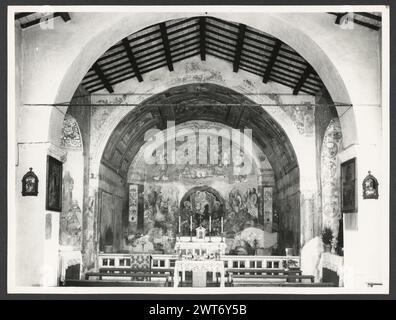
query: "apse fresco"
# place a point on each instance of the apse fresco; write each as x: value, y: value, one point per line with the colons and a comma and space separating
x: 190, y: 192
x: 159, y: 220
x: 202, y: 204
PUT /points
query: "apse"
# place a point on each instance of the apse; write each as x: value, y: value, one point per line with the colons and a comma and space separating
x: 266, y: 198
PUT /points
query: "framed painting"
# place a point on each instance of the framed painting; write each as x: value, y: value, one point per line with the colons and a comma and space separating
x: 348, y: 185
x: 54, y: 185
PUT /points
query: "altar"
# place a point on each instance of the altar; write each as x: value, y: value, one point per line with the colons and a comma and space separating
x: 200, y: 245
x: 199, y: 269
x: 199, y: 254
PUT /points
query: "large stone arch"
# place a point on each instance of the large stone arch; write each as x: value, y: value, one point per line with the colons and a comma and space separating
x: 304, y: 38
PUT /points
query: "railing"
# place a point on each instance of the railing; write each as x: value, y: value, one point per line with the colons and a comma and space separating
x: 158, y: 261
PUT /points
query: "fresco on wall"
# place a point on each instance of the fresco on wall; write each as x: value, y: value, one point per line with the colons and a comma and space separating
x: 330, y: 176
x: 71, y: 137
x: 223, y: 190
x: 70, y: 217
x: 161, y: 204
x: 201, y: 204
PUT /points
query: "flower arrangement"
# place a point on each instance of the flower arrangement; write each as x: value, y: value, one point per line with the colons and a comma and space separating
x: 327, y: 236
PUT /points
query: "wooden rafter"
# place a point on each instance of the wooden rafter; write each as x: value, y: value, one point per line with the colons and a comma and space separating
x: 239, y: 46
x: 339, y: 17
x: 102, y: 78
x: 22, y: 15
x: 164, y: 45
x: 165, y: 42
x: 202, y: 38
x: 304, y: 77
x: 64, y: 15
x: 132, y: 59
x: 271, y: 62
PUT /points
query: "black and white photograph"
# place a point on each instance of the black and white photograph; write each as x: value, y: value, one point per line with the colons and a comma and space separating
x: 198, y: 149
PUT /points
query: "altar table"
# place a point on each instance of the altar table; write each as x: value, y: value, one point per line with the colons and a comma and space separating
x: 201, y: 267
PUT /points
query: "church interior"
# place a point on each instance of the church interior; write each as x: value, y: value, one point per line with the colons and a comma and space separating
x: 199, y: 150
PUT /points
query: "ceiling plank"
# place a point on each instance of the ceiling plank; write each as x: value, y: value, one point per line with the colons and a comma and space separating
x: 271, y: 62
x: 165, y: 42
x: 202, y: 37
x: 239, y: 46
x: 102, y: 78
x: 132, y: 59
x: 304, y: 77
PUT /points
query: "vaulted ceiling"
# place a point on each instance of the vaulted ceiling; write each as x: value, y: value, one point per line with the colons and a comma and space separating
x: 198, y: 102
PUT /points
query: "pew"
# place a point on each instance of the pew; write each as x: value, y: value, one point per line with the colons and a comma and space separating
x: 287, y: 277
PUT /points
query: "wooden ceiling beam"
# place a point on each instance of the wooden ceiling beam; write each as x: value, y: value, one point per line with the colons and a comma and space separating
x: 22, y: 15
x: 304, y: 77
x: 64, y: 15
x: 202, y: 38
x: 271, y: 62
x: 339, y: 16
x: 239, y: 47
x: 132, y: 59
x: 165, y: 42
x: 102, y: 77
x: 370, y: 16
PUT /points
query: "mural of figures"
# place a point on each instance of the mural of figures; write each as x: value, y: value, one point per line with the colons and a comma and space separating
x: 70, y: 218
x: 201, y: 204
x: 159, y: 223
x: 133, y: 204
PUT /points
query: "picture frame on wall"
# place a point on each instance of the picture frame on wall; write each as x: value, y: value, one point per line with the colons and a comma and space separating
x: 53, y: 200
x: 348, y: 186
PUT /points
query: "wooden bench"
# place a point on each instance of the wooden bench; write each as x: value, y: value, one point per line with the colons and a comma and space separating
x: 286, y: 277
x: 106, y: 283
x: 263, y: 270
x: 129, y: 270
x: 131, y: 275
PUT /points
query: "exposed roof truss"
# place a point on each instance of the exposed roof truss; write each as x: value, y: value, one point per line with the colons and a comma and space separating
x: 164, y: 44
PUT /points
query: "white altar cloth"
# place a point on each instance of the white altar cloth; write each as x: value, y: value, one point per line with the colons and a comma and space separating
x: 199, y: 266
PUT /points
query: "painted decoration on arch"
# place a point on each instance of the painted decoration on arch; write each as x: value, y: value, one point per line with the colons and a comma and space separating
x: 133, y: 203
x: 330, y: 176
x: 71, y: 136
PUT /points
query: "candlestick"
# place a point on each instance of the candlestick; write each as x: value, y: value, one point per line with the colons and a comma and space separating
x: 210, y: 228
x: 221, y: 229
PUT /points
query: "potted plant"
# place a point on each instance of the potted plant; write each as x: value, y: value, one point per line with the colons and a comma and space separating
x: 108, y: 247
x: 327, y: 239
